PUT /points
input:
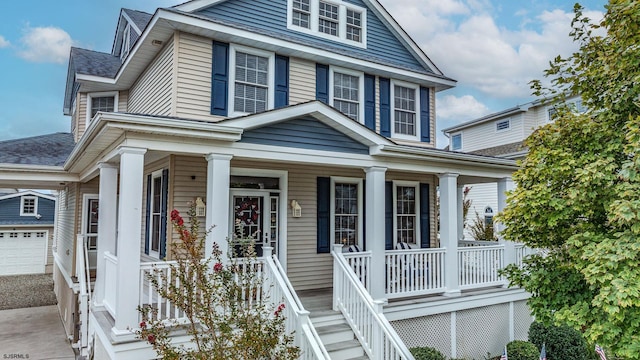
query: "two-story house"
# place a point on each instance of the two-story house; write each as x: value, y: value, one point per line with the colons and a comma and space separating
x: 312, y: 124
x: 501, y: 134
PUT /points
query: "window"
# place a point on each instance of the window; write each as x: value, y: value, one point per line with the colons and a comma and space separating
x: 105, y: 102
x: 406, y: 212
x: 301, y: 13
x: 346, y: 211
x: 330, y: 19
x: 13, y: 235
x: 456, y: 142
x: 39, y: 234
x: 28, y: 206
x: 155, y: 206
x: 552, y: 112
x: 126, y: 43
x: 503, y: 125
x: 488, y: 216
x: 346, y: 92
x: 405, y: 111
x: 91, y: 223
x: 252, y: 87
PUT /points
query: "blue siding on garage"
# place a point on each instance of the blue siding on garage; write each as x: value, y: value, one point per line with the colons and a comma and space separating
x: 304, y: 133
x: 270, y: 17
x: 10, y: 212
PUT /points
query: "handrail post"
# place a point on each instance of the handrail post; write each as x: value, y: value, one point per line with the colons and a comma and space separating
x: 337, y: 285
x: 377, y: 346
x: 303, y: 318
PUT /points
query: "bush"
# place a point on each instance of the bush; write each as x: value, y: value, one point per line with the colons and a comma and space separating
x: 562, y: 342
x: 522, y: 350
x: 426, y: 353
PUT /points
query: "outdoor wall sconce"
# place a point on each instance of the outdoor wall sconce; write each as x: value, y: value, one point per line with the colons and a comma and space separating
x: 201, y: 207
x: 296, y: 209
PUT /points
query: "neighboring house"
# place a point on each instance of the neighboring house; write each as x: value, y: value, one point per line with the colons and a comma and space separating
x: 311, y: 121
x: 501, y: 134
x: 26, y: 233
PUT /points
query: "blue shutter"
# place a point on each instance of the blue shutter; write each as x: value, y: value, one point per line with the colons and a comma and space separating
x: 220, y: 79
x: 385, y: 107
x: 322, y: 83
x: 364, y: 215
x: 147, y: 233
x: 370, y: 101
x: 388, y: 215
x: 282, y: 82
x: 425, y: 223
x: 163, y: 213
x: 323, y: 225
x: 425, y: 115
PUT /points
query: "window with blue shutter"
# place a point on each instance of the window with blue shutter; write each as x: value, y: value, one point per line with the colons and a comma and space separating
x: 370, y: 101
x: 425, y: 115
x: 322, y: 83
x: 220, y: 79
x: 282, y: 82
x: 385, y: 107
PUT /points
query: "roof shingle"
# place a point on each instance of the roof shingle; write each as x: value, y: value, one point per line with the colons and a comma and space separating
x: 95, y: 63
x: 51, y: 150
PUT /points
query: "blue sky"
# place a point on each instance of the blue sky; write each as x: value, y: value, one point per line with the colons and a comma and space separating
x: 492, y: 47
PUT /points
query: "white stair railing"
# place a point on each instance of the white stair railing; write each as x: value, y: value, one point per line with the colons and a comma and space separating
x: 297, y: 318
x: 84, y: 280
x: 365, y: 316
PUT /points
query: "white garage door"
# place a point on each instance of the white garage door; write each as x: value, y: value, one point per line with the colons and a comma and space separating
x: 22, y: 252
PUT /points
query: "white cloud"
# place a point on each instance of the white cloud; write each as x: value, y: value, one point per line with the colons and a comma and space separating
x: 459, y: 109
x: 45, y: 44
x: 4, y: 42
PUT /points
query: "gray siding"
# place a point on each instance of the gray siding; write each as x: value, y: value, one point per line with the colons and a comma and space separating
x: 10, y: 212
x: 302, y: 80
x: 304, y: 133
x: 152, y: 93
x: 270, y: 17
x: 67, y: 205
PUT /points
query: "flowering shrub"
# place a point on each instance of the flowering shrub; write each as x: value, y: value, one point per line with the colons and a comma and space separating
x: 227, y: 314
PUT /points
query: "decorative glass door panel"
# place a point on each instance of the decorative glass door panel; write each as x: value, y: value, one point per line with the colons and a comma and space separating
x: 250, y: 220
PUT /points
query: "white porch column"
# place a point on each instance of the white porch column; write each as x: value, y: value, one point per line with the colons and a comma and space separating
x: 218, y: 209
x: 460, y: 209
x: 449, y: 230
x: 129, y: 227
x: 375, y: 225
x: 107, y: 212
x: 504, y: 185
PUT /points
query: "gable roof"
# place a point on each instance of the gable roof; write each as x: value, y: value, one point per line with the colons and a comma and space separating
x: 89, y: 62
x: 139, y: 18
x: 28, y: 193
x: 49, y: 150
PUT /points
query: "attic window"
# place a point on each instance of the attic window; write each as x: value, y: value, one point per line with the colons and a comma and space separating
x: 456, y: 142
x: 28, y: 206
x: 330, y: 19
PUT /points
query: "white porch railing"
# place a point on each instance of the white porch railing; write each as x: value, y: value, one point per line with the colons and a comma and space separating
x: 365, y: 316
x: 110, y: 283
x: 162, y: 272
x: 84, y: 280
x: 297, y: 318
x: 360, y: 263
x: 414, y: 272
x: 478, y: 266
x: 522, y: 252
x: 468, y: 243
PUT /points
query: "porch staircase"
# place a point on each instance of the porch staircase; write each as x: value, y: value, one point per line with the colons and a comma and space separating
x: 334, y: 331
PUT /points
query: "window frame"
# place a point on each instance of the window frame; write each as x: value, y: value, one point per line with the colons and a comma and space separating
x: 392, y: 96
x: 498, y: 122
x: 488, y: 215
x: 332, y: 213
x: 453, y: 142
x: 271, y: 76
x: 417, y: 234
x: 313, y: 29
x: 126, y: 42
x: 360, y: 75
x: 155, y: 254
x: 35, y: 205
x: 90, y: 96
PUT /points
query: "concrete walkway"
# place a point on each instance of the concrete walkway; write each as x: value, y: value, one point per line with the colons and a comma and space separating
x: 33, y: 333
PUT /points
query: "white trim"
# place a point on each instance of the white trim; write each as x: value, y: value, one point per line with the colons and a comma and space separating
x: 498, y: 122
x: 27, y: 193
x: 332, y: 197
x: 271, y: 79
x: 35, y: 205
x: 283, y: 175
x: 360, y: 75
x: 415, y: 87
x: 453, y: 136
x: 92, y: 95
x: 314, y: 16
x: 416, y: 186
x: 148, y: 237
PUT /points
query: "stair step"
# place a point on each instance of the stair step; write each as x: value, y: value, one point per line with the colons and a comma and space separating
x: 363, y: 357
x: 345, y: 350
x: 331, y: 334
x: 327, y: 319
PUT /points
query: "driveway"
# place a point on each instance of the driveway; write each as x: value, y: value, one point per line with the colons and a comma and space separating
x: 32, y: 331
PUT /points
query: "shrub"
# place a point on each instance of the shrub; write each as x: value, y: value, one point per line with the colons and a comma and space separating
x: 522, y: 350
x: 426, y: 353
x: 562, y: 342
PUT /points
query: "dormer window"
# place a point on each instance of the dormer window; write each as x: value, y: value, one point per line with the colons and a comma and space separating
x: 126, y: 43
x: 335, y: 20
x: 456, y: 142
x: 104, y: 102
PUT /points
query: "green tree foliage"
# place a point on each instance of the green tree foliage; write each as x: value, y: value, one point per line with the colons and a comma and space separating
x: 561, y: 342
x: 481, y: 231
x: 578, y: 189
x: 426, y: 353
x: 226, y: 316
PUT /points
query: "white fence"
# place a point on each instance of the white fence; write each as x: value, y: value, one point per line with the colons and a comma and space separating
x: 414, y: 272
x: 478, y: 266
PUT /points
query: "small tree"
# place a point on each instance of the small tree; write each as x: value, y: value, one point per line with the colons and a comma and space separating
x: 228, y: 316
x: 480, y: 230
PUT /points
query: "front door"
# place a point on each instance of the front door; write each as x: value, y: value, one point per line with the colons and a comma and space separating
x: 255, y: 217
